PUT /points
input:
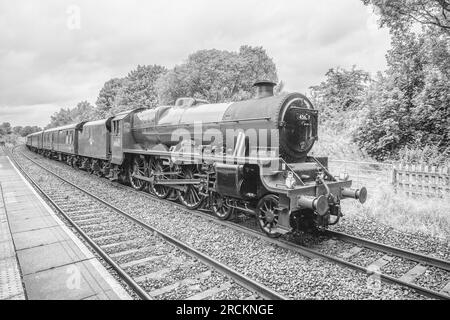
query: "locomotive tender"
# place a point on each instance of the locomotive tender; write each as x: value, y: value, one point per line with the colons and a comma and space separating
x: 249, y: 157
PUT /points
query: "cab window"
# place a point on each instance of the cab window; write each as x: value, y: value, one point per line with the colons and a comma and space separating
x: 116, y: 128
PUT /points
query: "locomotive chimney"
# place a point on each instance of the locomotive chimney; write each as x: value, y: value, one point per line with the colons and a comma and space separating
x: 264, y: 88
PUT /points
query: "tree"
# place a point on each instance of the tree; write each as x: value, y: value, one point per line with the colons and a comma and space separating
x: 84, y: 111
x: 400, y: 15
x: 136, y: 90
x: 343, y: 90
x: 29, y: 130
x: 408, y: 104
x: 217, y: 75
x: 5, y: 128
x: 432, y: 113
x: 255, y: 65
x: 107, y: 96
x: 60, y: 118
x: 17, y: 130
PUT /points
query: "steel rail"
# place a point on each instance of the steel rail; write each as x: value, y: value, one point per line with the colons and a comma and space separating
x: 240, y: 278
x: 403, y: 253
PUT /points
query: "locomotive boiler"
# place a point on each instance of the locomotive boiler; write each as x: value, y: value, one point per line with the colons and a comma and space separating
x: 285, y: 124
x: 247, y: 157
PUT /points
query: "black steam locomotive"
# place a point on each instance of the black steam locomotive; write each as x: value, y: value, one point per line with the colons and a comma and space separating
x: 249, y: 157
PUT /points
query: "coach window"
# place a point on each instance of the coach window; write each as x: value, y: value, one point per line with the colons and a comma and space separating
x: 67, y: 137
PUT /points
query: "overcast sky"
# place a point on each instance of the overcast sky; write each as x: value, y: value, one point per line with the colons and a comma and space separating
x: 50, y: 59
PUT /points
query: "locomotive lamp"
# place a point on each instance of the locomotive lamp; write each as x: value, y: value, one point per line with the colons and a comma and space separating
x: 290, y: 180
x: 344, y: 176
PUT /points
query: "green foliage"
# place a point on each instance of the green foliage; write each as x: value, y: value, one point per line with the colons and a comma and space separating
x: 60, y: 118
x: 217, y: 75
x: 24, y: 131
x: 424, y: 215
x: 136, y: 90
x: 107, y: 96
x: 5, y: 128
x: 12, y: 135
x: 17, y: 129
x: 400, y: 15
x: 343, y: 90
x: 408, y: 105
x: 428, y: 154
x: 403, y: 113
x: 84, y: 111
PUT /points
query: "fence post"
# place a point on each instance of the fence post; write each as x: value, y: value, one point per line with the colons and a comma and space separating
x: 394, y: 178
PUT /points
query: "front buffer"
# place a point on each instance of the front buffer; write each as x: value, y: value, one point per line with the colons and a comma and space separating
x: 318, y: 206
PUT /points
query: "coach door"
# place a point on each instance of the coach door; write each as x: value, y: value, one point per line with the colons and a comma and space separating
x: 116, y: 141
x: 50, y: 140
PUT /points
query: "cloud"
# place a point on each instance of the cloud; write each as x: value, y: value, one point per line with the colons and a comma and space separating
x: 45, y: 64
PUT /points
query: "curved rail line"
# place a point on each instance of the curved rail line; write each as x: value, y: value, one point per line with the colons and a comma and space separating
x: 311, y: 253
x: 238, y: 277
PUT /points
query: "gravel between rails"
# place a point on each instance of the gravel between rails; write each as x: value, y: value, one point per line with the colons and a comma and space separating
x: 398, y: 267
x: 433, y: 278
x: 284, y: 271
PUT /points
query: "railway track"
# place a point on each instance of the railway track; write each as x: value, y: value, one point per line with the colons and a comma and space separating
x: 422, y: 262
x: 154, y: 264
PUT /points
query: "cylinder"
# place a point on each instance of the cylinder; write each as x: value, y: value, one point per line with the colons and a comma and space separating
x: 319, y: 204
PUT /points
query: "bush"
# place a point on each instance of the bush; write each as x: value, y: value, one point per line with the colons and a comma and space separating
x: 430, y: 155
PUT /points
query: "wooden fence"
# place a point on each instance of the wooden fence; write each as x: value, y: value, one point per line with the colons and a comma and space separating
x: 411, y: 179
x: 421, y: 179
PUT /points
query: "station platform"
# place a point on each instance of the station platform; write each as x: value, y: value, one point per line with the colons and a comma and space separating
x: 40, y: 258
